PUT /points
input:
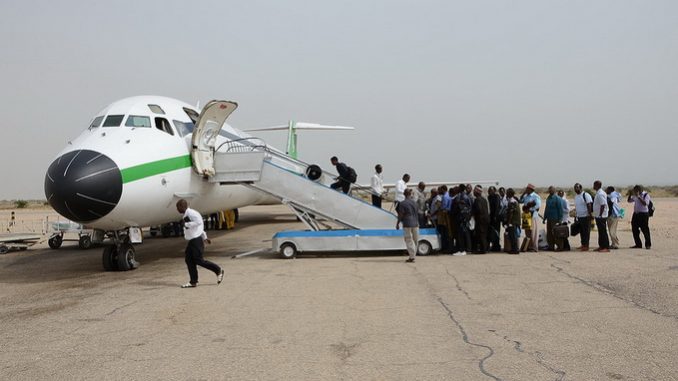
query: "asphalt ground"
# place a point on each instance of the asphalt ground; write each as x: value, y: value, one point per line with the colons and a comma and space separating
x: 536, y: 316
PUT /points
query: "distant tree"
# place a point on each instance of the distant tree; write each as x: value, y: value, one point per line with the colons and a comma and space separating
x: 20, y: 204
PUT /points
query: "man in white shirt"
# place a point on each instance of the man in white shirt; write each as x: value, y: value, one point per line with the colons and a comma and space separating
x: 600, y: 212
x: 194, y: 233
x: 377, y: 184
x: 401, y: 185
x: 566, y: 215
x: 583, y: 212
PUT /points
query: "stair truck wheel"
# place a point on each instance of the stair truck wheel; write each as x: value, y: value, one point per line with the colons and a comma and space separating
x: 288, y: 250
x: 424, y: 248
x: 55, y: 242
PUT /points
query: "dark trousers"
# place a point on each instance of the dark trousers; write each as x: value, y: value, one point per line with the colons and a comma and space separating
x: 376, y: 201
x: 423, y: 220
x: 585, y: 223
x: 444, y: 238
x: 480, y: 233
x: 464, y: 237
x: 513, y: 239
x: 344, y: 185
x: 603, y: 239
x: 640, y: 222
x: 194, y: 258
x: 493, y: 235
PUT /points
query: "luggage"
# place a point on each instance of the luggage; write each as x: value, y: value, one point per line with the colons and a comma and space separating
x: 561, y: 231
x: 507, y: 243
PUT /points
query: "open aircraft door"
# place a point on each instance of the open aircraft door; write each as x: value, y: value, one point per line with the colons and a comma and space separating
x: 207, y: 128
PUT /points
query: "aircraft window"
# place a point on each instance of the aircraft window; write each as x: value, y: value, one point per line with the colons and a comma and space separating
x: 163, y: 125
x: 184, y: 128
x: 113, y: 120
x: 192, y: 114
x: 138, y: 121
x: 156, y: 109
x: 96, y: 122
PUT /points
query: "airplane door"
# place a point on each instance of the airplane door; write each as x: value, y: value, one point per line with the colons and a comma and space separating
x: 205, y: 134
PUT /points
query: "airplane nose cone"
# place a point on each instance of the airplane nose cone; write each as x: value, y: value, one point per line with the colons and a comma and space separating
x: 83, y: 185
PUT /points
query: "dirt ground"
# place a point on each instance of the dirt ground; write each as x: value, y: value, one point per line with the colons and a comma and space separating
x: 536, y: 316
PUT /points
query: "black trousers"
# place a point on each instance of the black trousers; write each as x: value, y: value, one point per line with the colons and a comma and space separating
x: 513, y: 239
x: 585, y: 234
x: 344, y: 185
x: 376, y: 200
x: 641, y: 222
x: 480, y: 233
x: 493, y: 235
x: 444, y: 239
x: 464, y: 242
x: 603, y: 239
x: 194, y: 258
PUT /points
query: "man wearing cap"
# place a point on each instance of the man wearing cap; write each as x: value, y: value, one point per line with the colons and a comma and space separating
x: 531, y: 199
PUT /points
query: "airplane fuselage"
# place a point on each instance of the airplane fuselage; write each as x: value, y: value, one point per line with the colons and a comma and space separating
x: 131, y: 170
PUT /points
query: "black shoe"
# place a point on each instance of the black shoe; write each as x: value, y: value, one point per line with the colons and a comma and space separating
x: 635, y: 247
x: 409, y: 260
x: 648, y: 247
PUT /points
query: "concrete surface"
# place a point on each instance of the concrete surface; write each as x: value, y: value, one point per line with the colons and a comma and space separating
x: 543, y: 316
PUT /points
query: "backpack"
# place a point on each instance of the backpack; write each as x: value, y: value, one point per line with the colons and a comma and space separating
x: 352, y: 175
x: 650, y: 209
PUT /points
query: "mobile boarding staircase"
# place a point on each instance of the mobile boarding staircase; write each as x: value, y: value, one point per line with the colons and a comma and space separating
x: 353, y: 223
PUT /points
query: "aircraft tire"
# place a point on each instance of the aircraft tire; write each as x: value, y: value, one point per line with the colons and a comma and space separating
x: 165, y: 231
x: 125, y: 258
x: 85, y: 242
x: 288, y: 250
x: 109, y: 258
x: 4, y: 249
x: 424, y: 248
x: 55, y: 242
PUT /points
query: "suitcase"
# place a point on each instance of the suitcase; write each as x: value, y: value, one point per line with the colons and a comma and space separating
x: 561, y: 231
x: 507, y: 243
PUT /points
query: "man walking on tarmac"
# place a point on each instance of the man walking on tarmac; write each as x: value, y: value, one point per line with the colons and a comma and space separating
x: 408, y: 215
x: 194, y: 233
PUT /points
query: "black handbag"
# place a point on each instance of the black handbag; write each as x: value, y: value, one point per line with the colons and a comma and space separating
x: 575, y: 228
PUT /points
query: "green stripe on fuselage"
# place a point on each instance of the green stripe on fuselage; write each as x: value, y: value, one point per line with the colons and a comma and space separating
x: 153, y: 168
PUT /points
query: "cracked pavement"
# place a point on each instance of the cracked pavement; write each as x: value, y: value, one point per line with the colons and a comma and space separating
x: 537, y: 316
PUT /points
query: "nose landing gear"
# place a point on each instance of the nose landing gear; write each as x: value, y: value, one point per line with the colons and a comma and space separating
x: 120, y: 256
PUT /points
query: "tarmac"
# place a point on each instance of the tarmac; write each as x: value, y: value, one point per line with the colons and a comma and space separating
x: 534, y: 316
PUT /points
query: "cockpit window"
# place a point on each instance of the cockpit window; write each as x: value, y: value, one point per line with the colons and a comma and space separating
x: 163, y: 125
x: 113, y: 120
x: 138, y: 121
x: 96, y: 122
x: 183, y: 128
x: 156, y: 109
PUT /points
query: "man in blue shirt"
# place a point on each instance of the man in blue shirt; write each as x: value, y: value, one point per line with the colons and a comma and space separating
x: 531, y: 199
x: 553, y: 214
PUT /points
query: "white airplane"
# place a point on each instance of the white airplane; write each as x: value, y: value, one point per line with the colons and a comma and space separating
x: 138, y: 157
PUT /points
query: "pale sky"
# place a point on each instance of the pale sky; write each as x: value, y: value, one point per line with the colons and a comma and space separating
x: 550, y: 92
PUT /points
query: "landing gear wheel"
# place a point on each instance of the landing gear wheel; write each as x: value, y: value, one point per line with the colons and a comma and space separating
x: 237, y: 215
x: 288, y: 250
x: 4, y: 249
x: 165, y: 231
x: 126, y: 259
x: 109, y: 258
x: 55, y: 242
x: 85, y: 242
x: 424, y: 248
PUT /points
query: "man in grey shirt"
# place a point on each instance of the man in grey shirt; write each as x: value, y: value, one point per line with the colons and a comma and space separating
x: 408, y: 215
